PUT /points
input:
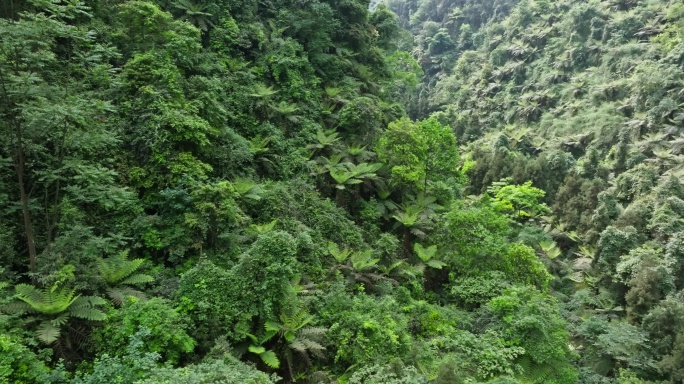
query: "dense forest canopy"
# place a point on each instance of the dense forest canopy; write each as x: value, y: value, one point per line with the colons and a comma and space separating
x: 341, y: 191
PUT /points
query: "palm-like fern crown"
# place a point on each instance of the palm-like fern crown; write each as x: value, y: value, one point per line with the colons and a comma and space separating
x: 298, y: 334
x: 55, y: 305
x: 119, y: 274
x: 119, y: 270
x: 47, y: 301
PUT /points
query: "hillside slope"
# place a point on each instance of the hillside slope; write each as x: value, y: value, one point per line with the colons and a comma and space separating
x: 586, y: 100
x: 223, y: 191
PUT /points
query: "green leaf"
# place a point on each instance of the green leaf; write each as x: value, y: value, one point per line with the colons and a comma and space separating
x: 268, y: 335
x: 257, y: 349
x: 254, y: 339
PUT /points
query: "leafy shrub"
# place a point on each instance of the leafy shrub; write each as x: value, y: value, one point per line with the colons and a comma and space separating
x: 473, y: 291
x: 532, y: 320
x: 394, y: 373
x: 229, y: 302
x: 168, y: 331
x: 18, y: 364
x: 364, y: 329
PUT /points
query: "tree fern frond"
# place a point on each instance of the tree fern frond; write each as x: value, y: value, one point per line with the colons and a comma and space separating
x: 298, y: 346
x: 88, y: 302
x: 17, y: 308
x: 137, y: 279
x: 437, y: 264
x: 48, y: 333
x: 423, y: 253
x: 117, y: 268
x: 117, y: 295
x: 311, y: 345
x: 534, y: 373
x: 59, y: 320
x: 313, y: 332
x: 29, y: 293
x: 270, y: 359
x: 256, y: 349
x: 375, y: 277
x: 254, y: 339
x: 48, y: 302
x: 88, y: 314
x: 272, y: 326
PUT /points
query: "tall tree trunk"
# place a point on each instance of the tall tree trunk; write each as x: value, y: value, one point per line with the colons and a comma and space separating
x: 28, y: 227
x: 340, y: 198
x: 20, y: 165
x: 407, y: 240
x: 52, y: 223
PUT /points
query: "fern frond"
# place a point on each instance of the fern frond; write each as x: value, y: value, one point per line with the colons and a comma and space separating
x: 117, y: 268
x: 48, y: 333
x: 88, y: 302
x: 272, y: 326
x: 298, y: 346
x: 267, y: 336
x: 59, y: 320
x: 311, y: 345
x: 17, y: 308
x: 312, y: 332
x: 254, y: 339
x: 29, y: 293
x: 48, y: 302
x: 423, y: 253
x: 137, y: 279
x: 532, y: 372
x: 256, y: 349
x: 339, y: 255
x: 270, y: 359
x: 117, y: 295
x: 437, y: 264
x: 88, y: 314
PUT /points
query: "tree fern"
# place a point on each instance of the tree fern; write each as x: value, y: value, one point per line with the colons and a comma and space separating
x: 534, y: 373
x: 266, y: 355
x: 296, y: 336
x: 48, y: 302
x: 550, y: 249
x: 260, y: 229
x: 248, y: 189
x: 54, y: 307
x: 119, y: 274
x: 85, y: 308
x: 195, y: 14
x: 428, y: 256
x: 339, y: 255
